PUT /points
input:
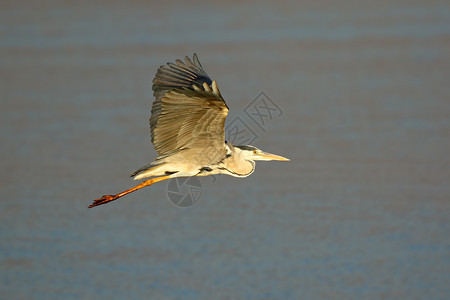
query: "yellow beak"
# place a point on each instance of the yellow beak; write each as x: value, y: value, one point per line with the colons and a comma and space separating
x: 269, y: 156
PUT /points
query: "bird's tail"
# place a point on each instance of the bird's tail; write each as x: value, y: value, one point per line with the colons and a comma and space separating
x: 147, y: 170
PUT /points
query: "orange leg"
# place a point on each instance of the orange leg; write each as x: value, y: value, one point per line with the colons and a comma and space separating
x: 108, y: 198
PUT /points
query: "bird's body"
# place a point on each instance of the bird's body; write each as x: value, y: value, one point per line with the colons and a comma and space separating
x: 233, y: 163
x: 187, y: 129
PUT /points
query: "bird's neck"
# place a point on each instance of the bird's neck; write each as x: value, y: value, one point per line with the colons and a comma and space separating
x: 239, y: 167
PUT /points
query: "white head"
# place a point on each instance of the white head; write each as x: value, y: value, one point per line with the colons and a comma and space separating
x: 252, y: 153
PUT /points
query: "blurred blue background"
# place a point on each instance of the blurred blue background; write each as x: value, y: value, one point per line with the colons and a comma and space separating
x: 360, y: 212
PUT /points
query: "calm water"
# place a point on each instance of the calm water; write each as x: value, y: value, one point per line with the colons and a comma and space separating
x: 361, y: 211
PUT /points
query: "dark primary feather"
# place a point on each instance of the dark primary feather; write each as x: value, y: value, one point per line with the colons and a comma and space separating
x: 184, y: 117
x: 179, y: 75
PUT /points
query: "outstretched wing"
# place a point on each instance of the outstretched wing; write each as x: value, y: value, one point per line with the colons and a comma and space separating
x: 188, y: 112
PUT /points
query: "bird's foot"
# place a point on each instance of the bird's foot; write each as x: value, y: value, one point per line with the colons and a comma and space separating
x: 103, y: 200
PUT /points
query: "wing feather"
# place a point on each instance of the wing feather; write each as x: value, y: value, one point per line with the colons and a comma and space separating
x: 188, y: 111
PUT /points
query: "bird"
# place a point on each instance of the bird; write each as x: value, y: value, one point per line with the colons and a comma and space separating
x: 187, y: 127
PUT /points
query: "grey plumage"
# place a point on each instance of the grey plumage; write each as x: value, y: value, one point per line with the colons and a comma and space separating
x: 187, y: 125
x: 187, y: 129
x: 179, y: 108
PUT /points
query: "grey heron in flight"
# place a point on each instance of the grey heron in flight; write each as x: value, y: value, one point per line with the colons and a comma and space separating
x: 187, y: 130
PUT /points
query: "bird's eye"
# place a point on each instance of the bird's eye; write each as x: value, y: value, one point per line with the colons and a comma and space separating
x: 254, y: 152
